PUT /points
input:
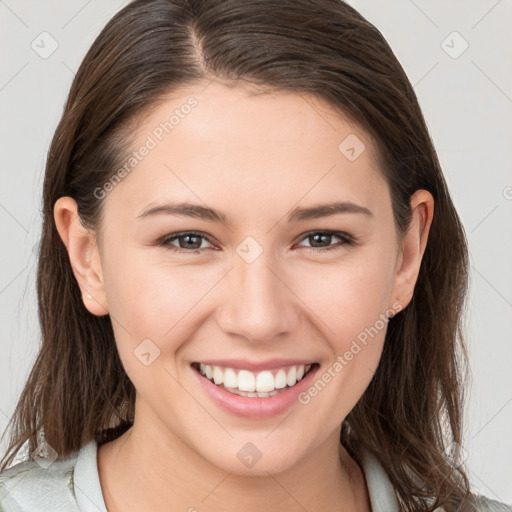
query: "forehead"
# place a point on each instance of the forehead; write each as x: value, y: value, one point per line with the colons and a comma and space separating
x: 249, y: 148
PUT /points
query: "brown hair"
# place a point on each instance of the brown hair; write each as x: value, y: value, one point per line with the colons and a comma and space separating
x: 78, y: 390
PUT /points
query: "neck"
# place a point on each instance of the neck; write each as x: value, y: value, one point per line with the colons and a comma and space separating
x: 149, y: 469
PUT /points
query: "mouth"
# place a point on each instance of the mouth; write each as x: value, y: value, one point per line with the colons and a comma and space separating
x: 252, y: 384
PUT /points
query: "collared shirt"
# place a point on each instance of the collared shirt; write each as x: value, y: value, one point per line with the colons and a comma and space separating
x: 73, y: 485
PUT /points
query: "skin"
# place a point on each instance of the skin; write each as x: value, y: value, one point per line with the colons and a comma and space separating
x: 255, y: 158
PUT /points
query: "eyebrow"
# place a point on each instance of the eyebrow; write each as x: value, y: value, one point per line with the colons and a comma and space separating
x: 297, y: 215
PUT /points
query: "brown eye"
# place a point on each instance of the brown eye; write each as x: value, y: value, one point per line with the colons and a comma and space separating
x: 321, y: 240
x: 188, y: 241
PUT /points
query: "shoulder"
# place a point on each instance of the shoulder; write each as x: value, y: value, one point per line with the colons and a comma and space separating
x: 384, y: 499
x: 484, y: 504
x: 29, y: 486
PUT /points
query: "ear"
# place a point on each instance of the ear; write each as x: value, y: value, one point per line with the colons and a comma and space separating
x: 83, y: 253
x: 413, y: 247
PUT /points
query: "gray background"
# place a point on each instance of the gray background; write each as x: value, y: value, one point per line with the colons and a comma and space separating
x: 466, y: 99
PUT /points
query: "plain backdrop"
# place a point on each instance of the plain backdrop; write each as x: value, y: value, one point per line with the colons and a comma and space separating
x: 457, y: 56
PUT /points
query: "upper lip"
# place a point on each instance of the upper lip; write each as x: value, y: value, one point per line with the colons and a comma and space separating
x: 244, y: 364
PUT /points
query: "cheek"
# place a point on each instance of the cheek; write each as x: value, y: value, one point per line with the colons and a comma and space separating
x: 347, y: 298
x: 352, y: 305
x: 151, y: 298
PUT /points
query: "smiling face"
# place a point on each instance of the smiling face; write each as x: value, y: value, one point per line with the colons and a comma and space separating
x: 251, y: 287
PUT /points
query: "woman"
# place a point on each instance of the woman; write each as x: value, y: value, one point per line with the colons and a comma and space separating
x: 246, y: 298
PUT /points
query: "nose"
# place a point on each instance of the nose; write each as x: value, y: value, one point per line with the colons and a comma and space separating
x: 257, y: 302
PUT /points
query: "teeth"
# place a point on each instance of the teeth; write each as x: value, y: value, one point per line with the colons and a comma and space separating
x: 264, y: 382
x: 236, y: 391
x: 230, y: 378
x: 218, y: 375
x: 291, y: 378
x: 280, y: 379
x: 246, y: 383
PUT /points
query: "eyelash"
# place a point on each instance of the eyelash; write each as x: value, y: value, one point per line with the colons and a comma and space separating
x: 345, y: 238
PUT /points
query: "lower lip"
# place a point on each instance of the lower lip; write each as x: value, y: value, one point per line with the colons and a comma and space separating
x: 255, y: 407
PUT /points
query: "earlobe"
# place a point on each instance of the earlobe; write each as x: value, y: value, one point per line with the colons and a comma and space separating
x: 414, y: 243
x: 83, y: 255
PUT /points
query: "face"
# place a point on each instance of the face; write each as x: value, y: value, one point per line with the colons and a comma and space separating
x: 250, y: 277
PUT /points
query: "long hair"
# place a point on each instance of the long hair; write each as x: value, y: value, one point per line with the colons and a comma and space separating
x: 78, y: 390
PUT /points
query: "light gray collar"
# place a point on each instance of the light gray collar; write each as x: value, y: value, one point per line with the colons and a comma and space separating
x: 90, y: 498
x: 382, y: 494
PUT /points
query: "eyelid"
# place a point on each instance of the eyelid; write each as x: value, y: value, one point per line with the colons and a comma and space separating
x: 346, y: 238
x: 164, y: 241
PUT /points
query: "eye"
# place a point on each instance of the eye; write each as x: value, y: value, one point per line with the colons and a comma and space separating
x: 191, y: 241
x: 326, y: 236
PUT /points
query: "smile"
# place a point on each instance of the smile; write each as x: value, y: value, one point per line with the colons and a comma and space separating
x: 251, y: 384
x: 254, y: 390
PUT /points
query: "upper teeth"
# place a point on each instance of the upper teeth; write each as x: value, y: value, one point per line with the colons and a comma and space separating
x: 245, y: 380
